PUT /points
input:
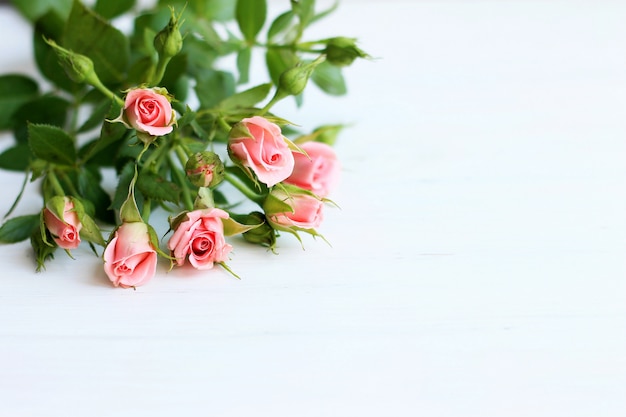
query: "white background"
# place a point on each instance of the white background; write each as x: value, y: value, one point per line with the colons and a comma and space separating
x: 477, y: 261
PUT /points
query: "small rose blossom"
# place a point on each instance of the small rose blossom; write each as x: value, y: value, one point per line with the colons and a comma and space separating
x: 307, y: 211
x: 318, y: 171
x: 65, y: 231
x: 130, y: 259
x: 266, y: 153
x: 200, y: 238
x: 148, y: 111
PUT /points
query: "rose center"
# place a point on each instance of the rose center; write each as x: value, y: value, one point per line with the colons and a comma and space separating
x: 122, y: 269
x: 69, y: 234
x: 201, y: 246
x: 148, y: 107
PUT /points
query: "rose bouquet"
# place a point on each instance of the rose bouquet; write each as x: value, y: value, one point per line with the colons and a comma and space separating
x: 155, y: 107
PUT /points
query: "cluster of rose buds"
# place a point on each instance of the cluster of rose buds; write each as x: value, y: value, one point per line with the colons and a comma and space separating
x: 297, y: 180
x: 166, y: 154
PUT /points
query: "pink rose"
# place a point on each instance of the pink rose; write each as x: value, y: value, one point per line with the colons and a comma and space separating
x: 149, y: 111
x: 65, y: 231
x: 265, y: 151
x: 200, y: 237
x: 318, y: 172
x: 307, y: 211
x: 129, y: 258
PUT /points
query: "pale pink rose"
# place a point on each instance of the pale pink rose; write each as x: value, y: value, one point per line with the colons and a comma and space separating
x: 148, y: 111
x: 65, y: 231
x: 266, y: 153
x: 318, y: 172
x: 307, y: 211
x: 200, y: 238
x: 130, y: 259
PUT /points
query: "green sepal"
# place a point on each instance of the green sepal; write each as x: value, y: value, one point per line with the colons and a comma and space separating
x: 175, y: 221
x: 43, y: 250
x: 154, y: 241
x: 90, y: 230
x: 273, y: 205
x: 239, y: 130
x: 228, y: 269
x: 233, y: 227
x: 293, y: 147
x: 204, y: 199
x: 129, y: 212
x: 56, y: 205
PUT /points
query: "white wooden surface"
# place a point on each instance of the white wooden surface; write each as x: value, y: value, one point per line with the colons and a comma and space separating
x: 477, y: 262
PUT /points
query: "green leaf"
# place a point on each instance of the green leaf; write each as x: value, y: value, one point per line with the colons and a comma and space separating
x: 217, y: 10
x: 325, y: 134
x: 91, y: 190
x: 250, y: 16
x: 113, y: 8
x: 175, y: 79
x: 97, y: 113
x: 323, y: 14
x: 16, y: 158
x: 110, y: 135
x: 305, y: 10
x: 279, y: 61
x: 123, y: 182
x: 247, y: 98
x: 329, y: 78
x: 213, y: 87
x: 88, y: 34
x: 19, y: 228
x: 48, y: 110
x: 51, y: 144
x: 243, y: 65
x: 15, y: 90
x: 51, y: 26
x: 280, y: 24
x: 34, y: 9
x: 155, y: 187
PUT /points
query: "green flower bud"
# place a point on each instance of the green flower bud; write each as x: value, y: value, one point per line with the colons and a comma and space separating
x: 205, y: 169
x: 79, y: 68
x: 342, y: 51
x: 294, y: 80
x: 168, y: 42
x: 264, y: 234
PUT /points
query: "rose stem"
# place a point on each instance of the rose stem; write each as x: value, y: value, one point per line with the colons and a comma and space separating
x: 187, y: 200
x: 55, y: 183
x: 244, y: 189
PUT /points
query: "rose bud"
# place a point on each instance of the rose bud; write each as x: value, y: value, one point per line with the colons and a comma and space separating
x: 79, y: 68
x: 342, y: 51
x: 205, y: 169
x: 65, y: 230
x: 264, y: 234
x: 199, y: 237
x: 168, y: 42
x: 130, y: 258
x: 297, y: 210
x: 149, y: 112
x: 257, y: 144
x: 317, y: 171
x: 293, y: 81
